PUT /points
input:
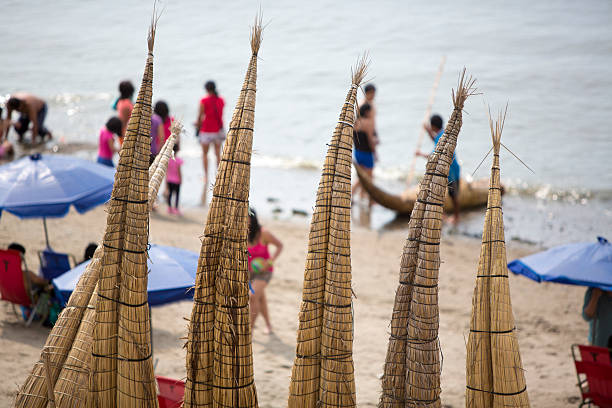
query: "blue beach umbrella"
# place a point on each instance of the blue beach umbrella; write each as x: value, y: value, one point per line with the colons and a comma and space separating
x: 172, y: 273
x: 583, y: 264
x: 41, y: 186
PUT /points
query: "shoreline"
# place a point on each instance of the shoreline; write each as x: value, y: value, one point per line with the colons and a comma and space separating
x: 547, y: 315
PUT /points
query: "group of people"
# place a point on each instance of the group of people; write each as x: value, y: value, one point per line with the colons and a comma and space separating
x: 209, y: 130
x: 365, y: 141
x: 111, y: 137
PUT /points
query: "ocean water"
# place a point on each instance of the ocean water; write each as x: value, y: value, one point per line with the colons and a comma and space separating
x: 550, y: 61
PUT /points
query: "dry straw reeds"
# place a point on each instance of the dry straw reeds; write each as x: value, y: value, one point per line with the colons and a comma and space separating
x: 494, y: 371
x: 69, y: 343
x: 122, y: 370
x: 412, y: 367
x: 72, y: 387
x: 219, y: 353
x: 323, y: 374
x: 33, y: 393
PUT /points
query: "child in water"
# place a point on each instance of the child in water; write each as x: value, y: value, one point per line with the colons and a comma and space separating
x: 173, y: 181
x: 106, y: 147
x: 261, y: 267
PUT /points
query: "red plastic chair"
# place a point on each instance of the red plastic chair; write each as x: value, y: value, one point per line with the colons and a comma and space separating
x: 171, y: 392
x: 594, y: 373
x: 13, y: 287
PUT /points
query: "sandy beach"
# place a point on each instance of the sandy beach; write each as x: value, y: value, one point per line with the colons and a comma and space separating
x: 547, y: 315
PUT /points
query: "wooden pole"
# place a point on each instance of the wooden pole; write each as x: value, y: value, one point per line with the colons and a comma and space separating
x: 432, y: 97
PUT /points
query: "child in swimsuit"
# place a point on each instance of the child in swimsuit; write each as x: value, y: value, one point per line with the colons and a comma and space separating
x: 261, y: 267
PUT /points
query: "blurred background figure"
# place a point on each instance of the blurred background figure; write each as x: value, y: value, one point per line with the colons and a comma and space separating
x: 365, y: 142
x: 261, y: 267
x: 435, y: 130
x: 124, y: 106
x: 597, y: 310
x: 106, y: 141
x: 31, y: 109
x: 210, y: 127
x: 173, y: 181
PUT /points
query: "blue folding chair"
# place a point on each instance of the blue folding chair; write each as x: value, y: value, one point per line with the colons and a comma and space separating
x: 54, y: 264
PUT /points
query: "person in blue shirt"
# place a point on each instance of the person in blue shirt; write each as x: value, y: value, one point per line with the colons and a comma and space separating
x: 435, y: 130
x: 597, y: 310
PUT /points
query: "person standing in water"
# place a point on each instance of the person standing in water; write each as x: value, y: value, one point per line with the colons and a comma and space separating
x: 261, y: 267
x: 210, y: 127
x: 435, y: 130
x: 365, y: 143
x: 32, y: 109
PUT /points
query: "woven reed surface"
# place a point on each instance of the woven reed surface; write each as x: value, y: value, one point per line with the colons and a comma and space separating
x: 411, y: 375
x: 33, y: 392
x: 219, y: 354
x: 323, y: 372
x: 494, y: 371
x: 122, y: 372
x: 72, y: 386
x: 157, y: 170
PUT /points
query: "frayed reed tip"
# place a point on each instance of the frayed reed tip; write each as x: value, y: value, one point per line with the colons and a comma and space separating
x: 153, y: 27
x: 361, y: 69
x: 466, y: 86
x: 497, y: 127
x: 256, y: 33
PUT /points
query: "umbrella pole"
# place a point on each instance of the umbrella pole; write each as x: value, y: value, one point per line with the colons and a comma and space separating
x: 46, y: 232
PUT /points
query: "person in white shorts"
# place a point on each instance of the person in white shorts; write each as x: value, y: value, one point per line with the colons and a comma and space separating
x: 210, y: 127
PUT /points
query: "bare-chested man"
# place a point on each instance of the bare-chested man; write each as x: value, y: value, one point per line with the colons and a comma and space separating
x: 31, y: 109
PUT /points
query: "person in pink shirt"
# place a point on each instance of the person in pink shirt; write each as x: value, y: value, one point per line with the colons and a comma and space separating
x: 210, y: 126
x: 261, y: 267
x: 106, y: 147
x: 173, y: 181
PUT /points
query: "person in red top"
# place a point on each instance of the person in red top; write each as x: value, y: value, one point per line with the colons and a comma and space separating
x: 210, y: 127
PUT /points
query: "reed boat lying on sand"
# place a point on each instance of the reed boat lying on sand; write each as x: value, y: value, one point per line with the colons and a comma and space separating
x: 471, y: 194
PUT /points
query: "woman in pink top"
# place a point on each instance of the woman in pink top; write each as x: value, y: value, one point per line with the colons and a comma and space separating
x: 106, y: 141
x: 260, y: 267
x: 173, y: 181
x: 210, y: 127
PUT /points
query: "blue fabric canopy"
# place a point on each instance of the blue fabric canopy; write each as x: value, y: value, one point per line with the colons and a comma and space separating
x: 47, y: 185
x: 584, y: 264
x: 172, y: 273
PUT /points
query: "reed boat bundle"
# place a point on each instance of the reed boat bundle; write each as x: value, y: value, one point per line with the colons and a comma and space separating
x: 219, y: 352
x: 411, y: 375
x: 323, y: 373
x: 122, y: 369
x: 472, y: 194
x: 494, y: 371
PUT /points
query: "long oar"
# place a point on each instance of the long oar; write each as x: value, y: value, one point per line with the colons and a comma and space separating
x: 432, y: 98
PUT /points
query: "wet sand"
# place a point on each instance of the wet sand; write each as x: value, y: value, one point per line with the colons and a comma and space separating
x: 547, y: 315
